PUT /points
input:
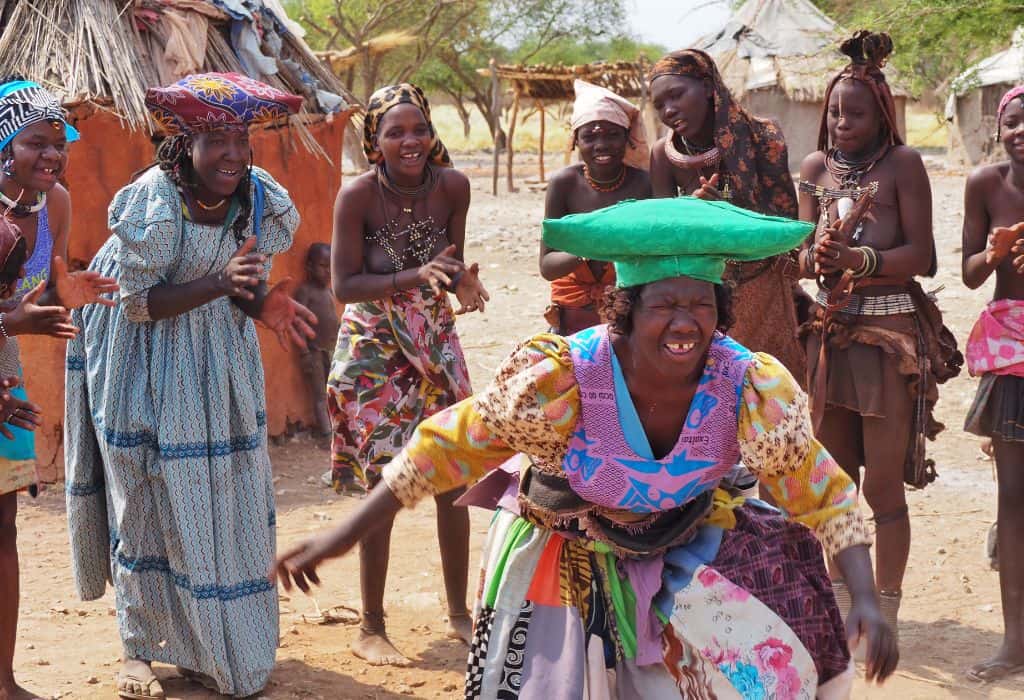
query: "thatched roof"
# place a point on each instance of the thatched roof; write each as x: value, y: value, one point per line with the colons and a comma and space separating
x: 554, y: 82
x: 340, y: 61
x: 107, y: 52
x: 787, y: 44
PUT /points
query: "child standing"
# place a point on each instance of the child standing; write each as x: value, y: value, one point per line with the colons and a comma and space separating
x: 315, y: 294
x: 993, y: 202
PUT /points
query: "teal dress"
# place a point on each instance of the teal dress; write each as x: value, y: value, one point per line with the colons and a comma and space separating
x: 169, y: 486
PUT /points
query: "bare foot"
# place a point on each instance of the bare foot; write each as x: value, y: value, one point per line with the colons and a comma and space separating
x: 460, y: 627
x: 136, y: 680
x: 10, y: 690
x: 377, y: 650
x: 1008, y: 662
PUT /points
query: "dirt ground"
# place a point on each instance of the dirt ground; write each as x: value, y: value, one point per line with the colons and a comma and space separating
x: 950, y: 616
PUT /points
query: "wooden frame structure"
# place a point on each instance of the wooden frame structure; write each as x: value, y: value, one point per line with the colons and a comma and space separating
x: 545, y: 85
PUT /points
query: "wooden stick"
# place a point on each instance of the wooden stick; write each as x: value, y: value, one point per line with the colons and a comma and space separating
x: 540, y: 159
x: 510, y: 141
x: 496, y: 119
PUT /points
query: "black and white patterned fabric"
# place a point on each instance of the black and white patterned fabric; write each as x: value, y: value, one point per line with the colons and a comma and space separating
x: 23, y: 103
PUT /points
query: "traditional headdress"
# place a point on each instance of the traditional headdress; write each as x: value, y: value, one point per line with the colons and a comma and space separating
x: 752, y: 150
x: 1011, y: 94
x: 595, y: 103
x: 653, y: 239
x: 384, y: 99
x: 868, y: 53
x: 22, y: 103
x: 217, y: 101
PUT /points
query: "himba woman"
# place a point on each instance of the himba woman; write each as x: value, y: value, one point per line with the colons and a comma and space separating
x: 169, y: 488
x: 992, y: 242
x: 715, y: 149
x: 399, y: 235
x: 36, y: 210
x: 609, y: 132
x: 875, y: 354
x: 621, y: 570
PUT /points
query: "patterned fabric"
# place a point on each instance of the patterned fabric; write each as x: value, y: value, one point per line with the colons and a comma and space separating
x: 397, y: 362
x: 755, y: 162
x: 604, y: 470
x: 757, y: 618
x: 533, y: 406
x: 996, y: 343
x: 1014, y: 92
x: 23, y: 103
x: 169, y: 489
x: 212, y: 101
x: 378, y: 105
x: 37, y: 267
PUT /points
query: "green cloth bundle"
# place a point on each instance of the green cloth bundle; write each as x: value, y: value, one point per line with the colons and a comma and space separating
x: 654, y: 239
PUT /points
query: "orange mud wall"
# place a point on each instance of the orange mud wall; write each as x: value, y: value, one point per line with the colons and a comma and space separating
x: 100, y: 164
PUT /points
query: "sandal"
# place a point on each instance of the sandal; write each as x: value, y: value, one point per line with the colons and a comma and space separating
x: 123, y: 679
x: 989, y: 671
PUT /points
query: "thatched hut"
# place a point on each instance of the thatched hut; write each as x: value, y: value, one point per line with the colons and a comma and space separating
x: 544, y: 85
x: 777, y: 56
x: 99, y: 56
x: 974, y: 99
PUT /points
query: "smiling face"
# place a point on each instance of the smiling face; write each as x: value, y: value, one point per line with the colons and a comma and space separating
x: 602, y: 145
x: 854, y: 120
x: 673, y: 323
x: 1011, y: 130
x: 683, y: 104
x: 403, y: 138
x: 40, y: 154
x: 220, y: 160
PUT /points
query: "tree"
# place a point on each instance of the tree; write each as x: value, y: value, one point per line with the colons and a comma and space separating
x: 935, y: 40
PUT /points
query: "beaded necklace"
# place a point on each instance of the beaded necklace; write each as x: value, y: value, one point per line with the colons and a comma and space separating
x: 20, y: 210
x: 421, y: 235
x: 604, y: 185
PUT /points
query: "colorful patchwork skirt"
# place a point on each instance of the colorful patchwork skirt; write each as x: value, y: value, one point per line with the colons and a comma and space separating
x: 744, y: 611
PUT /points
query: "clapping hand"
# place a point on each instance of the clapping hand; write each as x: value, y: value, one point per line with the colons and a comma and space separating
x: 77, y: 289
x: 291, y: 321
x: 470, y: 291
x: 16, y: 412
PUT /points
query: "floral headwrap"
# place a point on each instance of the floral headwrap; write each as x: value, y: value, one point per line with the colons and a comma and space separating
x: 1011, y: 94
x: 217, y: 101
x: 384, y: 99
x: 753, y: 151
x: 23, y: 103
x: 868, y: 53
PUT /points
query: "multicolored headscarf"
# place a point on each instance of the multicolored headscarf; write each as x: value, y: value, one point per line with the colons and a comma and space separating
x: 868, y: 53
x: 384, y: 99
x: 1011, y: 94
x: 217, y: 101
x: 754, y: 158
x: 22, y: 103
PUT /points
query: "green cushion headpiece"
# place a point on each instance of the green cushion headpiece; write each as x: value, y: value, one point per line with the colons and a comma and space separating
x: 654, y: 239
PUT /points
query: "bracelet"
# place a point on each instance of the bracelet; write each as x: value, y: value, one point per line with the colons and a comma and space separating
x: 871, y: 262
x: 394, y: 280
x: 3, y: 328
x: 450, y: 287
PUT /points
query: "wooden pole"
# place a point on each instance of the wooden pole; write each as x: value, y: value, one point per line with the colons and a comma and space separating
x: 496, y: 120
x: 540, y: 160
x: 510, y: 141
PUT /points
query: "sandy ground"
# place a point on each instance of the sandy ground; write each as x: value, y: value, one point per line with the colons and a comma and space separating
x: 951, y: 612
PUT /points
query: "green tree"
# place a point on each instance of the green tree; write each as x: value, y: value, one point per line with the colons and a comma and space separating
x: 935, y: 40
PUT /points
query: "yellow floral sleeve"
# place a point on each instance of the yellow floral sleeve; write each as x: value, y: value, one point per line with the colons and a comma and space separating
x: 531, y: 406
x: 777, y: 443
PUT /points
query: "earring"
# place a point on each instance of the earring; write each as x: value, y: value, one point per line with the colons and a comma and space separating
x: 8, y: 167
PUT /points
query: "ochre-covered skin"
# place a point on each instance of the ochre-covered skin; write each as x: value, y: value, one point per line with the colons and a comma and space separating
x: 103, y: 162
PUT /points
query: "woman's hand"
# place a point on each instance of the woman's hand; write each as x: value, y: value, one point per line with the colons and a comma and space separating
x: 1017, y: 250
x: 865, y: 622
x: 469, y: 290
x: 242, y: 273
x: 831, y: 256
x: 291, y: 321
x: 299, y: 563
x: 77, y: 289
x: 440, y: 271
x: 708, y: 188
x: 28, y: 318
x: 16, y: 412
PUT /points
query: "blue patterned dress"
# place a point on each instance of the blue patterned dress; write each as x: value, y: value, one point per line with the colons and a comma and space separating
x: 169, y: 488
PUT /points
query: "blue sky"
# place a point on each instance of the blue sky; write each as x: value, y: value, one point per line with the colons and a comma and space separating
x: 675, y: 23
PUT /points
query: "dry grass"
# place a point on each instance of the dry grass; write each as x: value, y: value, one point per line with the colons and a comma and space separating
x: 527, y: 136
x: 926, y: 129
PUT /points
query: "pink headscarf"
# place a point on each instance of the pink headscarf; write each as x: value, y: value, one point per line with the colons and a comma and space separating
x: 1007, y: 98
x: 595, y: 103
